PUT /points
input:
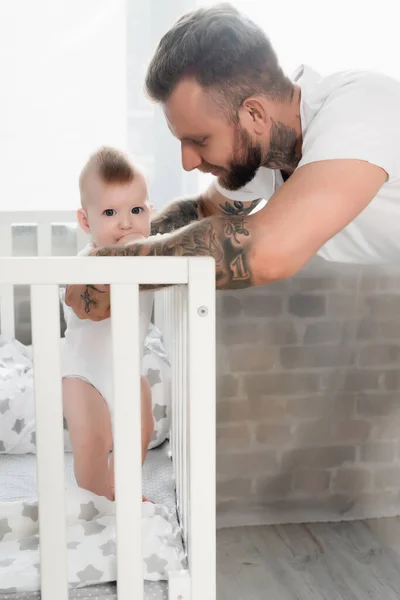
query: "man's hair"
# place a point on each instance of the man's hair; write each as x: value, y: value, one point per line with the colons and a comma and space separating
x: 224, y: 51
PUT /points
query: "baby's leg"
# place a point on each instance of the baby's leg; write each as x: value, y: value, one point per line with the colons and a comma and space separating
x: 147, y: 415
x: 147, y: 422
x: 89, y: 426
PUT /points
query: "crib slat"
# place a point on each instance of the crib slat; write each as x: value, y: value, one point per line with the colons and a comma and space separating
x: 180, y: 399
x: 202, y: 536
x: 127, y: 439
x: 184, y: 400
x: 44, y: 242
x: 49, y: 441
x: 7, y: 315
x: 175, y: 396
x: 168, y: 325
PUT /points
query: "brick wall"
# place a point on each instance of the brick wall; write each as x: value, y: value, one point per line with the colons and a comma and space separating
x: 308, y: 407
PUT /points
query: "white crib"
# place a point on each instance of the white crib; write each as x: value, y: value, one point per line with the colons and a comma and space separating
x: 185, y: 313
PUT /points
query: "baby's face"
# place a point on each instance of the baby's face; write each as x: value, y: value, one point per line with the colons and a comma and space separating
x: 117, y: 210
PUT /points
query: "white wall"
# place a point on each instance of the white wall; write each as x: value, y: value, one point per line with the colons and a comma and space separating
x: 329, y: 35
x: 72, y: 74
x: 63, y: 93
x: 149, y: 138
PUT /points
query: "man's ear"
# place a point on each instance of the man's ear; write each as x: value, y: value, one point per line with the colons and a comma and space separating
x: 255, y: 116
x: 83, y: 220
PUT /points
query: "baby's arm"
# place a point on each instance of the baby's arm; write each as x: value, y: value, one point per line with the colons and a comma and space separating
x: 89, y: 426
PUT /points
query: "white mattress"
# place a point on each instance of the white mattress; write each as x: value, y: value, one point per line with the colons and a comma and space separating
x: 18, y: 481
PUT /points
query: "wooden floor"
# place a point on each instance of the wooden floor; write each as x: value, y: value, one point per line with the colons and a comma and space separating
x: 339, y: 561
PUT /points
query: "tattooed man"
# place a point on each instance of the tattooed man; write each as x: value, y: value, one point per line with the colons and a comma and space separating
x: 321, y: 153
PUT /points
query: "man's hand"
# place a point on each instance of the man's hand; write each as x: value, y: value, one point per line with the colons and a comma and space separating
x: 89, y: 301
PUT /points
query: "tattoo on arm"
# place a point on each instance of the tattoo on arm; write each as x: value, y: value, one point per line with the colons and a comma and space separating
x: 239, y: 209
x: 226, y: 239
x: 176, y: 215
x: 87, y: 298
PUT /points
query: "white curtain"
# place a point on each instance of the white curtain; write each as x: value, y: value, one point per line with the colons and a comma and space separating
x: 63, y: 93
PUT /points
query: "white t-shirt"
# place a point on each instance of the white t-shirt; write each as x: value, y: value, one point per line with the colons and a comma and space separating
x: 348, y: 115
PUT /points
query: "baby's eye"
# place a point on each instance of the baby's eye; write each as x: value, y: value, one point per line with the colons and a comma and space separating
x: 137, y: 210
x: 109, y: 212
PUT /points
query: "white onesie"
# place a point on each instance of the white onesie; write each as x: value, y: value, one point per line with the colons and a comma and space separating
x: 87, y: 349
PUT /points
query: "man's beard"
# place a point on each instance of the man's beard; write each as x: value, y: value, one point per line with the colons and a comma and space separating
x: 246, y: 160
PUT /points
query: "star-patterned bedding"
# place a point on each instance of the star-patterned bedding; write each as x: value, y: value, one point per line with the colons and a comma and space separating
x: 90, y: 530
x: 91, y: 542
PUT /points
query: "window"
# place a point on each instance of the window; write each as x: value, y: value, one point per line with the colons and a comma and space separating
x: 63, y: 80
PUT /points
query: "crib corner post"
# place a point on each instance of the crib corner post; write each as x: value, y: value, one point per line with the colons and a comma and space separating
x: 202, y: 421
x: 179, y: 585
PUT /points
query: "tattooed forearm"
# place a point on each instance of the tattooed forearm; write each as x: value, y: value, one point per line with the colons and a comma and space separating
x: 226, y: 239
x: 238, y: 209
x: 88, y: 299
x: 177, y: 214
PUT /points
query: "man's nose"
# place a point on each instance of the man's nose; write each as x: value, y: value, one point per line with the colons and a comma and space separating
x: 190, y: 158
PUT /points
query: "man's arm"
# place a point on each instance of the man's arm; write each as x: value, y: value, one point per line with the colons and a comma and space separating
x: 222, y: 237
x: 177, y: 214
x: 318, y: 201
x: 226, y: 239
x: 181, y: 212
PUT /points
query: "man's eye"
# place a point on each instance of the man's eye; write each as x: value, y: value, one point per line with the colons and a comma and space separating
x: 137, y: 210
x: 109, y: 212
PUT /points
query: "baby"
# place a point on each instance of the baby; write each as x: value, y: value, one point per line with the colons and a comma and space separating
x: 114, y: 210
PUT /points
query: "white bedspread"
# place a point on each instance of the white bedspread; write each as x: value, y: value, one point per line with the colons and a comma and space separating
x: 91, y: 542
x: 91, y: 534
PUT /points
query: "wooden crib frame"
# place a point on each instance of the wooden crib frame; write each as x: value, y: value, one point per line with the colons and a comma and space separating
x: 185, y: 312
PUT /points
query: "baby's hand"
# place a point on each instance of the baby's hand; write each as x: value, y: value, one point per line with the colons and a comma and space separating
x: 130, y: 239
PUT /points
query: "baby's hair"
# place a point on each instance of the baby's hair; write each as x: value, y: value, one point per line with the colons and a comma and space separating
x: 111, y: 165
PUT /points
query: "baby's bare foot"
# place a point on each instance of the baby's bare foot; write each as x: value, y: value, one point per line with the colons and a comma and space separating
x: 144, y: 499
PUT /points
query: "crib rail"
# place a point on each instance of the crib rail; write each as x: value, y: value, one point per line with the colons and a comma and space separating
x: 185, y: 312
x: 43, y: 221
x: 191, y: 311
